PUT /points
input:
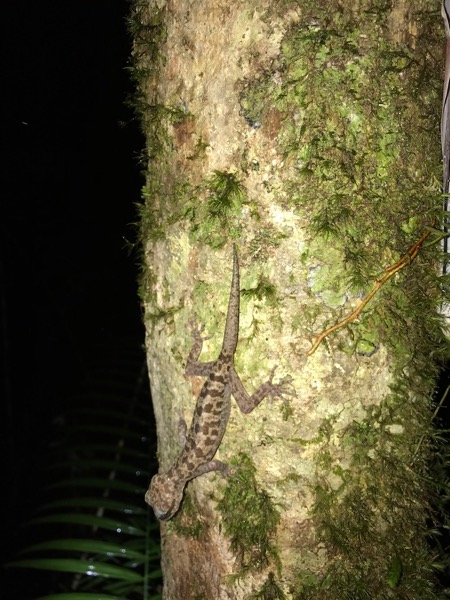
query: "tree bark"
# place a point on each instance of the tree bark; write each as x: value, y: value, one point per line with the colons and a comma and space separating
x: 307, y: 132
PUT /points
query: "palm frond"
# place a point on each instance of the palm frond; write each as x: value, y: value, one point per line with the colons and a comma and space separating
x: 92, y: 529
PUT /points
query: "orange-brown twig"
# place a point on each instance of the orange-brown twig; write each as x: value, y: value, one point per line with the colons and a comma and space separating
x: 389, y: 272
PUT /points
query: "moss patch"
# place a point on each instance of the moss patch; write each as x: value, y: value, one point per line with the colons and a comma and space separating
x: 249, y: 519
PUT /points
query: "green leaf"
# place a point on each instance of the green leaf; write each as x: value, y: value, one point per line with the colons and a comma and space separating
x: 87, y: 545
x: 88, y: 464
x: 108, y: 449
x: 81, y: 596
x: 71, y: 565
x: 99, y: 483
x: 91, y: 520
x: 86, y: 502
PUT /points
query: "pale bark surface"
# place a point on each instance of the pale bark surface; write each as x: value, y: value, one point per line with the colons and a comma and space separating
x: 215, y: 55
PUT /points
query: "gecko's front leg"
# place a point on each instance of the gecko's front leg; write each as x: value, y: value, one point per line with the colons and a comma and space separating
x: 247, y: 402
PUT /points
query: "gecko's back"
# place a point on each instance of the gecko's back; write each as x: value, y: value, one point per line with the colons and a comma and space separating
x: 212, y: 409
x: 210, y: 417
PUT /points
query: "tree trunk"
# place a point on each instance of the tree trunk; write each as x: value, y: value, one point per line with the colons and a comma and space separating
x: 307, y: 132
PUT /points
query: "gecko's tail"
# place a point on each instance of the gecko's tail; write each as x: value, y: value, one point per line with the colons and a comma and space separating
x: 231, y: 334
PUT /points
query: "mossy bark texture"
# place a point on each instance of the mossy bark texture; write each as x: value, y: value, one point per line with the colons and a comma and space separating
x: 308, y: 133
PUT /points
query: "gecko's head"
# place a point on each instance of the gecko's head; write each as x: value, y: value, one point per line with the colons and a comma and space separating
x: 164, y: 495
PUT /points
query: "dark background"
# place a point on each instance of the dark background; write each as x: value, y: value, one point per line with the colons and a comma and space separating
x: 70, y: 183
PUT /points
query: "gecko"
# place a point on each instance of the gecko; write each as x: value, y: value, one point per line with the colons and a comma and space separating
x: 212, y: 410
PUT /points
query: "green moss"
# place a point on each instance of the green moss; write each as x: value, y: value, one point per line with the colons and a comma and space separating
x: 263, y: 290
x: 170, y: 197
x: 225, y: 194
x: 265, y: 239
x: 199, y: 150
x: 150, y: 226
x: 269, y: 590
x: 161, y: 315
x: 147, y: 28
x: 249, y: 519
x: 395, y: 572
x: 367, y: 347
x: 146, y: 25
x: 217, y: 219
x: 352, y: 104
x: 374, y: 524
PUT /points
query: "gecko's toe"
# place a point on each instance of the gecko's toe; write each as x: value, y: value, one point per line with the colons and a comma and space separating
x: 287, y: 385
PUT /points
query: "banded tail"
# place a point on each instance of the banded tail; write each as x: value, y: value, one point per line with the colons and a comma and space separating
x: 231, y: 333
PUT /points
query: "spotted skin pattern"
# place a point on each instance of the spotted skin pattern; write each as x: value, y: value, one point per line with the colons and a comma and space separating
x: 211, y: 412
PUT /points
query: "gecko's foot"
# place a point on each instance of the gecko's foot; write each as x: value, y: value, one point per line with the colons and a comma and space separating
x: 230, y: 474
x: 283, y: 389
x: 224, y: 469
x: 197, y: 331
x: 230, y: 471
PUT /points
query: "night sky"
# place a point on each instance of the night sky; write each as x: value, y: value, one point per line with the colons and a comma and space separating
x: 70, y: 182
